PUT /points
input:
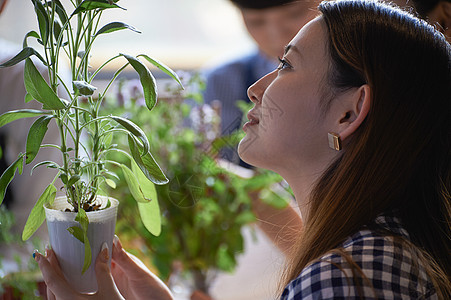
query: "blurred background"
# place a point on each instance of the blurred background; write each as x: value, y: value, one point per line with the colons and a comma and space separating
x: 184, y: 34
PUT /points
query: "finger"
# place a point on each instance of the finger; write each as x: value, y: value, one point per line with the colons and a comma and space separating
x: 117, y: 272
x: 50, y: 295
x: 57, y: 284
x: 105, y: 280
x: 120, y: 279
x: 135, y: 270
x: 51, y: 257
x: 129, y: 264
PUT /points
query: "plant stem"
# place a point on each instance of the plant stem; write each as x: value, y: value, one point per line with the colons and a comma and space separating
x: 200, y: 280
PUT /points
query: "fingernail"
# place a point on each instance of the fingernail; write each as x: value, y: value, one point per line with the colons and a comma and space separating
x: 36, y: 255
x: 47, y: 248
x: 104, y: 252
x: 116, y: 242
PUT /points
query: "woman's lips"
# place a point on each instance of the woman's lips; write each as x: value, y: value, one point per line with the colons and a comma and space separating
x: 252, y: 121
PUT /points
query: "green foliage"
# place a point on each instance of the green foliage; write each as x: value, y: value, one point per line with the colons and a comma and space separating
x: 23, y: 283
x: 115, y: 26
x: 37, y: 215
x: 38, y: 88
x: 204, y: 207
x: 8, y: 175
x: 85, y: 131
x: 82, y: 218
x: 35, y: 137
x: 13, y: 115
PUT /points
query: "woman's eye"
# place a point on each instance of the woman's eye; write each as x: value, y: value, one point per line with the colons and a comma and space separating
x: 283, y: 64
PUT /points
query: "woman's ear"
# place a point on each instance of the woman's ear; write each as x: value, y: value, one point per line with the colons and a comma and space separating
x: 360, y: 102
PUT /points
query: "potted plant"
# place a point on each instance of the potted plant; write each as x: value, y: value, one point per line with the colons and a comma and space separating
x: 86, y: 136
x: 204, y: 206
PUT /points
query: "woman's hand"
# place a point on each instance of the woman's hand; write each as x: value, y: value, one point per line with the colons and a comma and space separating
x: 133, y: 278
x: 59, y: 288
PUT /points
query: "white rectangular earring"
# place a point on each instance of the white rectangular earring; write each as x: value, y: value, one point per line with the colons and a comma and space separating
x: 334, y: 141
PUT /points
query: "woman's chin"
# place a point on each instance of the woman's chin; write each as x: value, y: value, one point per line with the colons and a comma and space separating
x: 245, y: 150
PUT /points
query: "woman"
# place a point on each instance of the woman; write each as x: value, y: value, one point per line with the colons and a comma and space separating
x: 376, y: 207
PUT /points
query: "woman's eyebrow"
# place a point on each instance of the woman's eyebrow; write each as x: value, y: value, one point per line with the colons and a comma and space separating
x: 291, y: 47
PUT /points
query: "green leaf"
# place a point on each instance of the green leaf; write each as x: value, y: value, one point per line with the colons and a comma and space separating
x: 24, y: 54
x: 269, y: 197
x: 147, y: 163
x: 84, y: 88
x: 64, y: 178
x: 150, y: 216
x: 245, y: 217
x: 148, y: 82
x: 73, y: 179
x: 112, y: 174
x: 163, y: 68
x: 8, y: 175
x: 77, y: 232
x: 133, y: 129
x: 57, y: 27
x: 43, y: 20
x: 110, y: 183
x: 115, y: 26
x: 29, y: 34
x: 38, y: 88
x: 37, y: 214
x: 133, y: 185
x: 59, y: 8
x: 82, y: 218
x: 150, y: 211
x: 35, y: 137
x: 225, y: 260
x: 88, y: 5
x: 13, y: 115
x: 50, y: 164
x: 28, y: 98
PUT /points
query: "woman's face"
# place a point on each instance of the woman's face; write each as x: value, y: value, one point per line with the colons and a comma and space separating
x: 287, y: 127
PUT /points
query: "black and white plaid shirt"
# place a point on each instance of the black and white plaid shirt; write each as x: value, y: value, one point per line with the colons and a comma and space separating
x: 390, y: 269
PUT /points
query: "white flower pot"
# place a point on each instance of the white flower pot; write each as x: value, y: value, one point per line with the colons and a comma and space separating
x: 69, y: 250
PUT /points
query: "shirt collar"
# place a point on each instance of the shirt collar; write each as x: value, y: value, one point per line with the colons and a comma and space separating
x: 390, y: 222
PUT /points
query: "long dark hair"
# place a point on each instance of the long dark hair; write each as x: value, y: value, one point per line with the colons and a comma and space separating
x: 400, y: 157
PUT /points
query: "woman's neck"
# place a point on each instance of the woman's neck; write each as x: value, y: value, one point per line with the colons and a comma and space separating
x: 302, y: 186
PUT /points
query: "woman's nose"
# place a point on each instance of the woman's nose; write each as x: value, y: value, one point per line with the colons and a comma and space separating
x: 255, y: 92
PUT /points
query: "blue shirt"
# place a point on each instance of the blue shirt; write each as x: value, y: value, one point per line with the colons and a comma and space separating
x: 392, y: 271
